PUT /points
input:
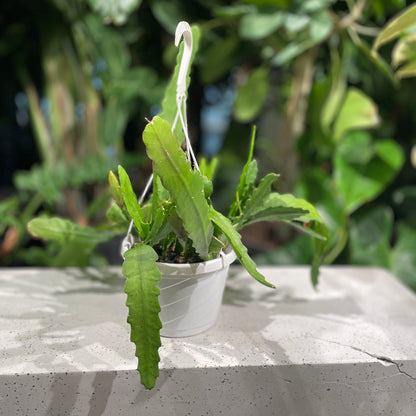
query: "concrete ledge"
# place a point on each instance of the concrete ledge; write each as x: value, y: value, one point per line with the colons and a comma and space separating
x: 347, y: 349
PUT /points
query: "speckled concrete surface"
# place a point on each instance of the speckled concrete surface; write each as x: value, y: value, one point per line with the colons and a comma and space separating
x: 347, y: 349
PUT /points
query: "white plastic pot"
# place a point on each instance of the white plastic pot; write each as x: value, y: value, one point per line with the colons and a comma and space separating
x: 191, y: 295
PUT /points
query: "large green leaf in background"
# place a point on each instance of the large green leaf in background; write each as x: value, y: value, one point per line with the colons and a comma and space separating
x: 169, y: 13
x: 363, y: 168
x: 185, y: 185
x: 256, y: 26
x: 220, y: 58
x: 142, y: 277
x: 113, y: 10
x: 357, y: 111
x: 310, y: 30
x: 404, y: 50
x: 404, y: 21
x: 402, y: 27
x: 335, y: 95
x: 251, y: 95
x: 404, y: 255
x: 370, y: 234
x: 316, y: 185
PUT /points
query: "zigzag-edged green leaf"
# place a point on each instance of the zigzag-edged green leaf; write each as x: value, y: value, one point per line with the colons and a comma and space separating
x: 133, y: 207
x: 142, y: 276
x: 247, y: 181
x: 235, y: 240
x: 259, y: 194
x: 185, y: 185
x: 282, y: 207
x: 159, y: 227
x: 288, y: 208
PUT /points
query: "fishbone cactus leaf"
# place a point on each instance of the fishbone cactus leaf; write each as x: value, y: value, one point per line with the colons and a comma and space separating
x: 235, y: 240
x: 247, y: 181
x: 133, y: 207
x: 185, y: 185
x: 142, y: 276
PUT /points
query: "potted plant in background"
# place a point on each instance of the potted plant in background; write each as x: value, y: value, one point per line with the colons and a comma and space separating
x: 175, y: 237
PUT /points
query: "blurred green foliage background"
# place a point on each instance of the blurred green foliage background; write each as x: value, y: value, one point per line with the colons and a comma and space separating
x: 331, y: 92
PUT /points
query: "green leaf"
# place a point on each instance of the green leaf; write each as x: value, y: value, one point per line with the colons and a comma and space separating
x: 235, y: 240
x: 116, y: 215
x: 208, y: 169
x: 219, y: 58
x: 357, y: 111
x: 169, y: 106
x: 370, y: 234
x: 66, y: 232
x: 115, y: 188
x: 162, y: 193
x: 169, y: 13
x: 357, y: 148
x: 232, y: 11
x: 133, y: 207
x: 335, y: 96
x: 404, y: 255
x: 296, y: 22
x: 185, y: 185
x: 379, y: 62
x: 358, y: 183
x: 396, y: 27
x: 317, y: 186
x: 110, y: 44
x: 142, y: 277
x: 292, y: 50
x: 258, y: 196
x: 319, y: 248
x: 137, y: 82
x: 112, y: 121
x: 255, y: 26
x: 288, y: 208
x: 284, y: 207
x: 251, y: 96
x: 404, y: 50
x: 247, y: 181
x: 321, y: 26
x: 310, y: 6
x: 159, y: 228
x: 114, y: 11
x: 407, y: 71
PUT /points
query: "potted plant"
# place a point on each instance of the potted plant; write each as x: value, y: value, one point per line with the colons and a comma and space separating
x: 176, y: 237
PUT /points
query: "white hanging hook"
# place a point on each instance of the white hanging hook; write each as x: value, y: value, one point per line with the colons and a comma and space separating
x: 183, y: 29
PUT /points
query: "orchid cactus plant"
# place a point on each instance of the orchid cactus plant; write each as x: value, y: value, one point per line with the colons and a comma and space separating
x: 178, y: 222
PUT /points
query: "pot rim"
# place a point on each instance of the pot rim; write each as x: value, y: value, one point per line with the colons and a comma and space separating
x: 209, y: 266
